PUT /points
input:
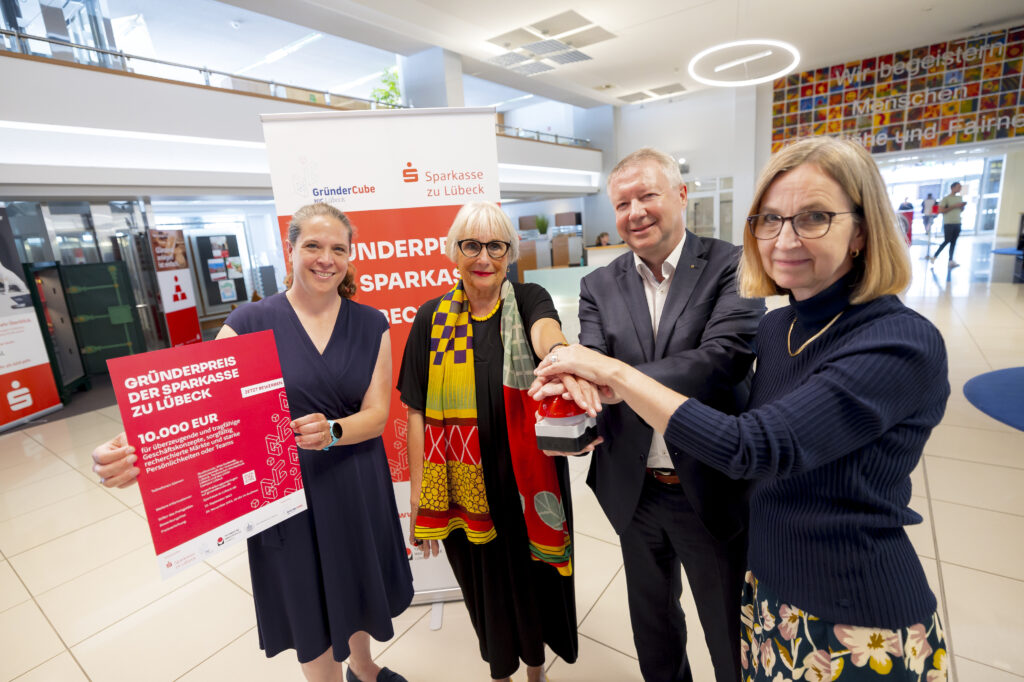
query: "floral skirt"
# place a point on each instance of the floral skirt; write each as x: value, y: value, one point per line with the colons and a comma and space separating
x: 781, y: 643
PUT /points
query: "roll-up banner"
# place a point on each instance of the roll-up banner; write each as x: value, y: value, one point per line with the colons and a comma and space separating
x: 177, y: 296
x: 27, y: 386
x: 400, y: 176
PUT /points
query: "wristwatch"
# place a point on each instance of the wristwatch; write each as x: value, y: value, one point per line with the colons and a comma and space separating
x: 336, y: 432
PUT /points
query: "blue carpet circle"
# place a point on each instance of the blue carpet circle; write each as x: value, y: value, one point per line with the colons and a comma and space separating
x: 1000, y: 395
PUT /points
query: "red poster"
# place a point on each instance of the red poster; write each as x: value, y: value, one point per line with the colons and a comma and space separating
x: 211, y: 427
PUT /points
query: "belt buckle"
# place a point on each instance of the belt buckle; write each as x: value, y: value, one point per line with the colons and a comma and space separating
x: 660, y: 475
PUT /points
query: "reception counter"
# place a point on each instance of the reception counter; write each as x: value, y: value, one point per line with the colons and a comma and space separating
x: 603, y: 255
x: 559, y: 251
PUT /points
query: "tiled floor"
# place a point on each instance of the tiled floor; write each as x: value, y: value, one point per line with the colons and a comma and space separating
x: 80, y: 597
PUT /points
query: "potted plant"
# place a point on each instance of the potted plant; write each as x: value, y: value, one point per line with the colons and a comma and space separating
x: 541, y: 224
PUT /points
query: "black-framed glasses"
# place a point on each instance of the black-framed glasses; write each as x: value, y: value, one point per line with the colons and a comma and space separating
x: 471, y: 248
x: 806, y: 224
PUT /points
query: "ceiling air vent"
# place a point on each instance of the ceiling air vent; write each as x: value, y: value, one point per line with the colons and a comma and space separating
x: 635, y: 97
x: 568, y: 57
x: 508, y: 59
x: 532, y: 68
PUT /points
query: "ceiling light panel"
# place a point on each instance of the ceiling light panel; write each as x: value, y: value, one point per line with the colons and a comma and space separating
x: 561, y: 23
x: 568, y: 57
x: 546, y: 47
x: 588, y: 36
x: 740, y: 61
x: 547, y: 42
x: 514, y: 39
x: 532, y: 68
x: 743, y: 62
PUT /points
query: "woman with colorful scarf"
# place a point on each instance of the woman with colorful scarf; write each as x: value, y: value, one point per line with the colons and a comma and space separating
x: 478, y: 482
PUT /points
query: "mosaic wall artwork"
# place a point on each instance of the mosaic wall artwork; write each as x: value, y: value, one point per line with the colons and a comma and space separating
x: 958, y: 92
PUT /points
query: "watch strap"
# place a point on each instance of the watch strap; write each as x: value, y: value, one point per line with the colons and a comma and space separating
x: 335, y: 431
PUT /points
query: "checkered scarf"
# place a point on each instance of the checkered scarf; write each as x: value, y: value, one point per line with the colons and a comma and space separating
x: 452, y: 494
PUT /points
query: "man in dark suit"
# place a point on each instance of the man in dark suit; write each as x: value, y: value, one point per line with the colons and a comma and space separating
x: 670, y: 308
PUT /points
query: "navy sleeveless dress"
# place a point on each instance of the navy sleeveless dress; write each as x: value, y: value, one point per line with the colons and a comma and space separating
x: 340, y: 566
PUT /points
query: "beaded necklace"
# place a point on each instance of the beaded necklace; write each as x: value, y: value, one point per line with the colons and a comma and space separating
x: 489, y: 315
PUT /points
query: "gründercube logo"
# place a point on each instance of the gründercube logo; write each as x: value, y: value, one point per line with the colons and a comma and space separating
x: 410, y: 174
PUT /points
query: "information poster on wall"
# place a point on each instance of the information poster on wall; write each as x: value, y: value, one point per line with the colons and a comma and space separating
x: 400, y: 176
x: 217, y: 456
x: 962, y: 91
x: 27, y: 386
x: 220, y: 269
x: 177, y: 296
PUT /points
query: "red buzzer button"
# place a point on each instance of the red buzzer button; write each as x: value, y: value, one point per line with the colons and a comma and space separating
x: 557, y: 406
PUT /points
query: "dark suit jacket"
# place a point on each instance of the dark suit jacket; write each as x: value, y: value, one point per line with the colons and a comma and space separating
x: 703, y: 350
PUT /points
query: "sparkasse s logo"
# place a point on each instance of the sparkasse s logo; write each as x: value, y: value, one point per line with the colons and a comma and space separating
x: 410, y: 174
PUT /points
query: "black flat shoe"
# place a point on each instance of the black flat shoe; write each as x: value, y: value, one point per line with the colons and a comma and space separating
x: 385, y: 675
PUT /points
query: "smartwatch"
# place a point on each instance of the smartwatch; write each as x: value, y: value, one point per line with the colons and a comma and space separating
x: 336, y: 432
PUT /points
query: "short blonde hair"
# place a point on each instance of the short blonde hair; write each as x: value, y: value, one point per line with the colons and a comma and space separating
x: 884, y: 266
x: 669, y: 166
x: 482, y: 214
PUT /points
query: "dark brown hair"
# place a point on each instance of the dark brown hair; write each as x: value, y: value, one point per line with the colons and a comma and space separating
x: 347, y: 288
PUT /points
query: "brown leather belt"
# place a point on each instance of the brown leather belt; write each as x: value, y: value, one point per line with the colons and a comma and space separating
x: 664, y: 475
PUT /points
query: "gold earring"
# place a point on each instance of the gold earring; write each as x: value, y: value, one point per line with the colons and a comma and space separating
x: 855, y: 253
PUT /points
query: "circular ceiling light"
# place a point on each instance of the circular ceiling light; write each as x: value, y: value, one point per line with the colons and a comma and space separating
x: 743, y: 62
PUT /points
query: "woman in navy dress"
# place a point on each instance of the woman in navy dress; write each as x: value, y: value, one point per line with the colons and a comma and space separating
x: 325, y: 580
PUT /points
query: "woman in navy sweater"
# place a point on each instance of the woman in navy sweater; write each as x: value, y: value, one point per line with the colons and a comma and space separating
x: 849, y: 384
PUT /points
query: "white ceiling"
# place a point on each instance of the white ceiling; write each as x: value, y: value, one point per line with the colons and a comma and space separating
x: 232, y: 39
x: 227, y: 38
x: 655, y: 39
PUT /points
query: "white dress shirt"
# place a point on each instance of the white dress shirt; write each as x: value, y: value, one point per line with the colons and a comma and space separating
x: 656, y: 293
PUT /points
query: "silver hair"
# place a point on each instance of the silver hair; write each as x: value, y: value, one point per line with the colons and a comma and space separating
x: 481, y: 214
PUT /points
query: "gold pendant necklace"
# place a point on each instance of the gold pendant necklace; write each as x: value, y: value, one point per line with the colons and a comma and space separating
x: 789, y: 345
x: 488, y: 315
